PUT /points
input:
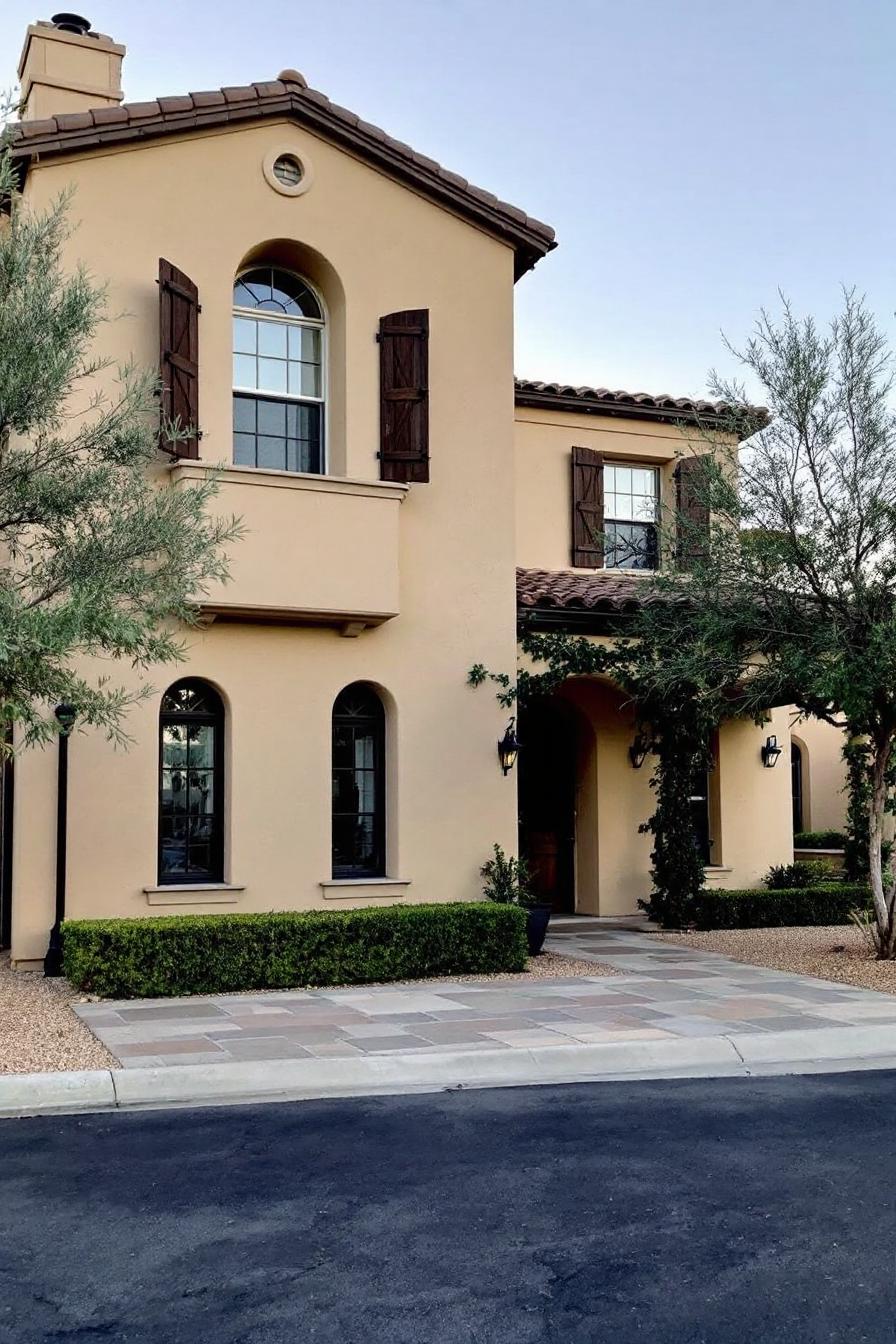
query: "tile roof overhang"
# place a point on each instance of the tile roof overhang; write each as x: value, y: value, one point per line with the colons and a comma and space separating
x: 286, y: 97
x: 633, y: 405
x: 587, y: 600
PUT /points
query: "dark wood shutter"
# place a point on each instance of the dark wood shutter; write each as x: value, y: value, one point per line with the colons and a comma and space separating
x: 179, y: 358
x: 587, y: 508
x: 404, y: 396
x: 692, y: 507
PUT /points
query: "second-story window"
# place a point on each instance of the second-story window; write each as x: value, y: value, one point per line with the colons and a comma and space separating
x: 631, y: 502
x: 278, y: 372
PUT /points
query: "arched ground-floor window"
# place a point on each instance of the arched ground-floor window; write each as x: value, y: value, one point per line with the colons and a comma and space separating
x: 359, y: 752
x: 191, y: 784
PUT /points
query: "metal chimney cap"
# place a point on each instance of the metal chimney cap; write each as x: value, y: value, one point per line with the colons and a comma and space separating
x: 71, y: 23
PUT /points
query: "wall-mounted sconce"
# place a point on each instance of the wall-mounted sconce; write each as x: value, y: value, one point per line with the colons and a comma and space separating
x: 770, y: 751
x: 637, y: 752
x: 508, y: 748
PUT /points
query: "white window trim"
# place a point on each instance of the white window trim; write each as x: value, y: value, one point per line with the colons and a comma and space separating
x: 658, y: 496
x: 322, y: 325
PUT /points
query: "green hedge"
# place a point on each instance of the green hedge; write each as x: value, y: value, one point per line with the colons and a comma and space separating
x: 819, y: 840
x: 828, y: 903
x: 214, y: 954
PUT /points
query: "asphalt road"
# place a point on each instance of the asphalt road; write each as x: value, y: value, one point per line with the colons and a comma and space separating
x: 730, y: 1210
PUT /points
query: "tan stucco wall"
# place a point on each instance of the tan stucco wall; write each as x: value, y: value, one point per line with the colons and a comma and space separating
x: 824, y: 776
x: 372, y: 247
x: 544, y: 442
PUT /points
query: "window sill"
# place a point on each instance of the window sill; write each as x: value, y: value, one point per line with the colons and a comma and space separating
x: 209, y: 893
x: 713, y: 869
x: 364, y: 888
x: 317, y: 482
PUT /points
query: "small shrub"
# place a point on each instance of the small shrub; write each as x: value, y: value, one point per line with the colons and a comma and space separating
x: 219, y: 954
x: 507, y: 880
x: 828, y: 903
x: 793, y: 876
x: 819, y: 840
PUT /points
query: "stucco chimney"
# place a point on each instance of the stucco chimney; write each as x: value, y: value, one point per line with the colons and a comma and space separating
x: 67, y: 68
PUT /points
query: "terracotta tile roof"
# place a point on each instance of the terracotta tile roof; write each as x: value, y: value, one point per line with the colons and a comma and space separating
x: 639, y: 405
x: 582, y: 590
x: 287, y: 96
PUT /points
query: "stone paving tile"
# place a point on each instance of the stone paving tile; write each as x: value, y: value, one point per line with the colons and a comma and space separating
x: 200, y: 1057
x: 797, y: 1022
x: 381, y: 1044
x: 165, y: 1012
x: 444, y: 1033
x: 269, y: 1047
x: 521, y: 1038
x: 333, y: 1050
x: 184, y: 1047
x: 701, y: 1026
x: 292, y: 1033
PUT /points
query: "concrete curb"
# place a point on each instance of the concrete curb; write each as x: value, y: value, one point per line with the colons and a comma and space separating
x: 30, y: 1093
x: 750, y: 1055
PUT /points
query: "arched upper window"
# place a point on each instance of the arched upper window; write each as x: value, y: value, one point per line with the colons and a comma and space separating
x: 191, y: 784
x: 359, y: 817
x: 278, y: 372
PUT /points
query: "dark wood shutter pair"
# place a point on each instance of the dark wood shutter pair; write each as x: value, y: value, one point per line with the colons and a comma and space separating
x: 692, y: 507
x: 179, y: 358
x: 404, y: 396
x: 587, y: 509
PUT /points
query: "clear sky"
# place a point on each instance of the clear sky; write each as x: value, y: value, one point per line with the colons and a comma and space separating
x: 693, y: 155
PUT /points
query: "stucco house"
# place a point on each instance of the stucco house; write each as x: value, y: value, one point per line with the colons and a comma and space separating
x: 308, y: 284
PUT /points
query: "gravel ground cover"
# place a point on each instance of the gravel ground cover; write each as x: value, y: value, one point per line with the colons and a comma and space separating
x: 39, y: 1033
x: 838, y: 952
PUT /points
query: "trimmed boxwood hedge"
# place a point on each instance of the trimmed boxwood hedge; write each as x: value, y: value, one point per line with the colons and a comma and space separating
x: 819, y: 840
x: 214, y: 954
x: 828, y: 903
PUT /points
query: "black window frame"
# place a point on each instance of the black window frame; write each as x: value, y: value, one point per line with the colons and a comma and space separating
x: 216, y: 719
x: 376, y: 720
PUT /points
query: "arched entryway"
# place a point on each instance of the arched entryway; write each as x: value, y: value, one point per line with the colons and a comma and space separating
x: 547, y: 800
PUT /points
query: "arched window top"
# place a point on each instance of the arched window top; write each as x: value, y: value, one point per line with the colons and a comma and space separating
x: 278, y: 292
x: 358, y: 701
x: 189, y: 697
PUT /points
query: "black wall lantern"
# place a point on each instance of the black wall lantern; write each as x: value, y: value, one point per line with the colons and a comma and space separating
x: 637, y: 752
x: 508, y: 748
x: 770, y: 752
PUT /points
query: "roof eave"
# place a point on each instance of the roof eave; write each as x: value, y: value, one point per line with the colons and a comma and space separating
x: 107, y: 128
x: 622, y: 410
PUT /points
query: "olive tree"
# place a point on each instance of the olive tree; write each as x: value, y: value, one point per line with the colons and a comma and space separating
x: 801, y: 564
x: 99, y: 562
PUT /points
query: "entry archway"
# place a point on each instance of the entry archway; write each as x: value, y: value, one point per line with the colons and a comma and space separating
x: 547, y: 800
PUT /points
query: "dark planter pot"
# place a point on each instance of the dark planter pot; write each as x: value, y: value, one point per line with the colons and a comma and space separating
x: 537, y: 920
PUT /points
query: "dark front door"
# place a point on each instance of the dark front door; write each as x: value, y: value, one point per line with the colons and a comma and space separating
x: 547, y: 766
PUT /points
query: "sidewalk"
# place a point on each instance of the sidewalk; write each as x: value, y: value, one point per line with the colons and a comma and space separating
x: 670, y: 1011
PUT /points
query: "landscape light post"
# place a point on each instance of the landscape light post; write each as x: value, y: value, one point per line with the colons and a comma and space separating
x: 65, y: 717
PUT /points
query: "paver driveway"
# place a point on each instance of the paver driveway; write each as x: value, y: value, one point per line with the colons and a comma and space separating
x: 663, y: 992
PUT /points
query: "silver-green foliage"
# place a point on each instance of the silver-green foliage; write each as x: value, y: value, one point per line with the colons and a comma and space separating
x: 801, y: 569
x: 98, y: 565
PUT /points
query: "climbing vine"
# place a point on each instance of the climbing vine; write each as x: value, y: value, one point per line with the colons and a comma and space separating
x: 679, y: 698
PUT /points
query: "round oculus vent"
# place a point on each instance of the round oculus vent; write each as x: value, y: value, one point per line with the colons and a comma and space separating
x: 288, y: 170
